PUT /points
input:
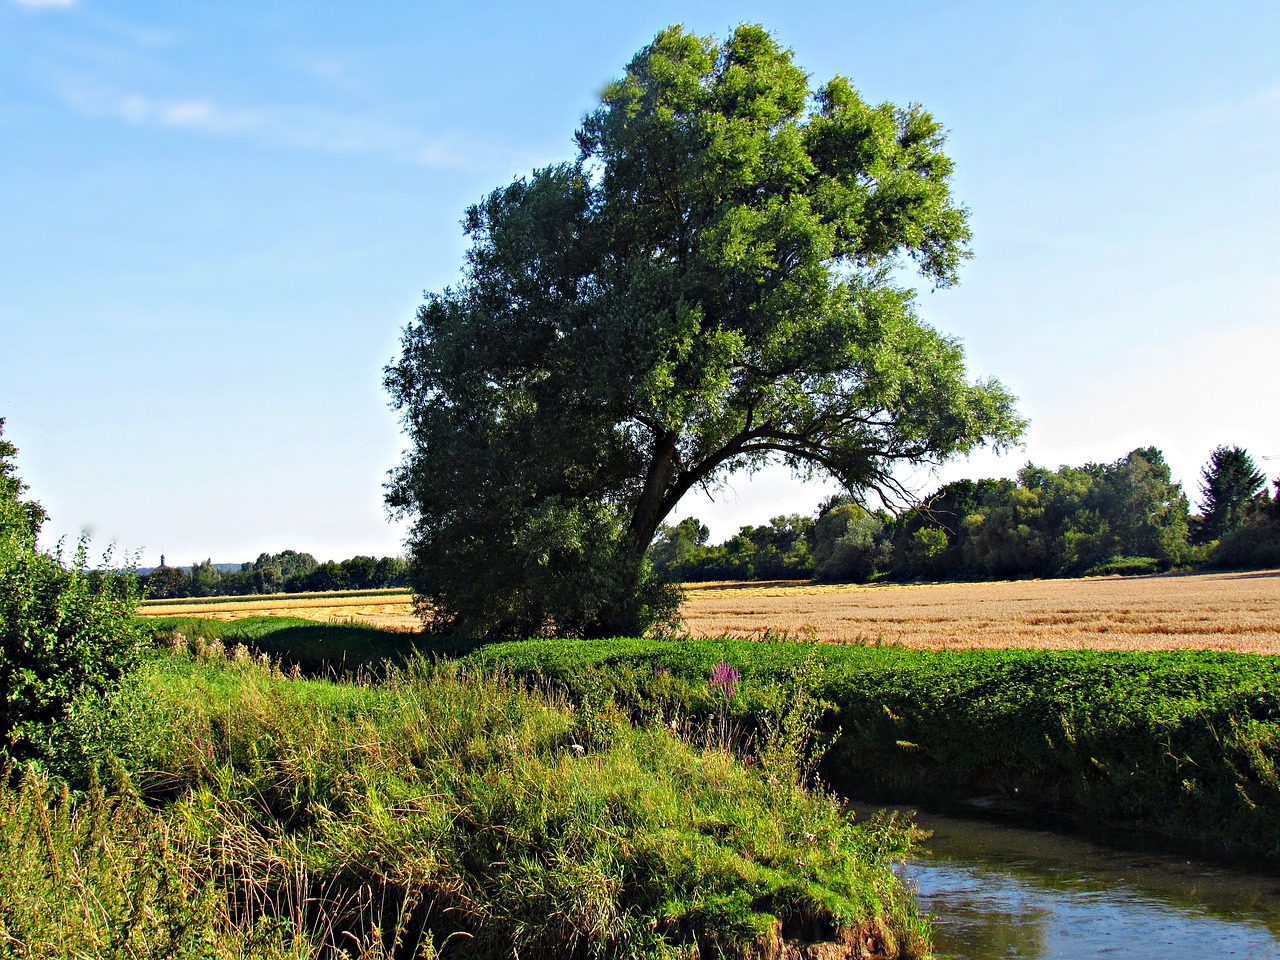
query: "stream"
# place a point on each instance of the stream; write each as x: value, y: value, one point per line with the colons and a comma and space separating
x: 999, y: 891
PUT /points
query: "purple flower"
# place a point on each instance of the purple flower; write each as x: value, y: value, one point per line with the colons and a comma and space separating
x: 725, y: 677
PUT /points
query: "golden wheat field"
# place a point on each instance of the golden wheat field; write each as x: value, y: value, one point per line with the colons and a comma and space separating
x: 1213, y: 611
x: 392, y: 611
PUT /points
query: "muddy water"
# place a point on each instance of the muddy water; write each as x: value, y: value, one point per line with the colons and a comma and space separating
x: 1002, y: 892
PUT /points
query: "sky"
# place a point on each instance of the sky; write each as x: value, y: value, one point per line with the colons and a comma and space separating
x: 217, y: 219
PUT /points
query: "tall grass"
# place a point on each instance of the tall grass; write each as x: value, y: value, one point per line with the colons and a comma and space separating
x: 445, y: 808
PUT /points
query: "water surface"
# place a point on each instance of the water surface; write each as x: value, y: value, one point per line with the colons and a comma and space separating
x: 1002, y: 892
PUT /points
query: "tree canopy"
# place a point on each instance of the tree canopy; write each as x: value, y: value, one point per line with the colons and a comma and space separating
x: 1231, y: 481
x: 708, y: 286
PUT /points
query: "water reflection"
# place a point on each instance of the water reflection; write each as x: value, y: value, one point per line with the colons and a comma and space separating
x: 1005, y: 892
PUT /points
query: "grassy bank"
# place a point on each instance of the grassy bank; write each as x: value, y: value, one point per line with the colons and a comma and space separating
x: 1182, y: 743
x: 443, y: 809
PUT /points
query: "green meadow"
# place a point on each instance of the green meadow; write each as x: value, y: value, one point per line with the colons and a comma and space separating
x: 215, y: 806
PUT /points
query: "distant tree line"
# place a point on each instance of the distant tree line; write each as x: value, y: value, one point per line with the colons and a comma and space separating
x: 285, y: 572
x: 1122, y: 517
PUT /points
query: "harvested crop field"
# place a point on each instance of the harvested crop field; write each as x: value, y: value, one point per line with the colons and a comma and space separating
x: 390, y: 611
x: 1205, y: 611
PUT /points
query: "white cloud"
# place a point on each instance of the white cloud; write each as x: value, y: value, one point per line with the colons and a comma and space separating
x: 197, y: 114
x: 46, y: 3
x: 305, y: 128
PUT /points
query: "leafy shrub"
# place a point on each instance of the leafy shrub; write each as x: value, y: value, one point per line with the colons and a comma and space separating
x: 1125, y: 567
x: 65, y: 631
x: 1253, y: 546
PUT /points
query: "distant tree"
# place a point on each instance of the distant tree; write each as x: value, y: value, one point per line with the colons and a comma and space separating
x: 206, y: 579
x: 674, y: 545
x: 166, y: 583
x: 293, y: 564
x: 708, y: 287
x: 267, y: 578
x: 780, y: 551
x: 850, y: 542
x: 359, y: 572
x: 1145, y: 508
x: 1231, y: 480
x: 1004, y: 537
x: 391, y: 572
x: 327, y: 576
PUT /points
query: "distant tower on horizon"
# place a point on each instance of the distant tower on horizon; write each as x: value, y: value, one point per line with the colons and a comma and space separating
x: 162, y: 559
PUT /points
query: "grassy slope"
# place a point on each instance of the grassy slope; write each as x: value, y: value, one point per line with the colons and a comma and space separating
x: 1185, y: 743
x: 442, y: 805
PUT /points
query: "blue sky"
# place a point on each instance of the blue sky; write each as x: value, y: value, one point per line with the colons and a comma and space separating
x: 215, y: 220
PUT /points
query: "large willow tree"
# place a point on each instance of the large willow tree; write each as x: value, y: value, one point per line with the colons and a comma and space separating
x: 708, y: 286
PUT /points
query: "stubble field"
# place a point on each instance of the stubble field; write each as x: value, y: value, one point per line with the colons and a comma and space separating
x: 1206, y: 611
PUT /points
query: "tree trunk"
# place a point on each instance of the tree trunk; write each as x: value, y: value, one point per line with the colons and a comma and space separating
x: 649, y: 509
x: 623, y: 619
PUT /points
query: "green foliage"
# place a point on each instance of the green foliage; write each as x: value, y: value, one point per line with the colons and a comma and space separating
x: 1100, y: 518
x: 1125, y: 567
x: 709, y: 286
x: 849, y: 542
x: 287, y: 571
x: 447, y: 807
x: 1255, y: 543
x: 1231, y: 482
x: 64, y: 632
x: 778, y: 551
x: 1186, y: 743
x: 1241, y: 523
x: 673, y: 547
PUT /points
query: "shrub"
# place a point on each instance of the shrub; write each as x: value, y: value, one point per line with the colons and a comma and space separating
x: 64, y: 633
x: 1125, y: 567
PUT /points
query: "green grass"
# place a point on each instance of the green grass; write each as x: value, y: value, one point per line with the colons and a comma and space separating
x: 1182, y: 743
x: 447, y: 807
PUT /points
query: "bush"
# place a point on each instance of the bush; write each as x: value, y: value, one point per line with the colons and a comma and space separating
x: 1125, y: 567
x: 1254, y: 546
x: 65, y: 631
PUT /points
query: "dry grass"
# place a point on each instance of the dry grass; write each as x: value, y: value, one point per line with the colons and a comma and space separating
x: 1206, y: 611
x: 392, y: 611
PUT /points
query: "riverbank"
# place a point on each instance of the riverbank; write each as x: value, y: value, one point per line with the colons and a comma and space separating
x: 441, y: 808
x: 1182, y: 743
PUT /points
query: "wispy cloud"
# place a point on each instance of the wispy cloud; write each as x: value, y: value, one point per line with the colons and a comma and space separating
x: 196, y: 114
x: 45, y: 3
x: 300, y: 127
